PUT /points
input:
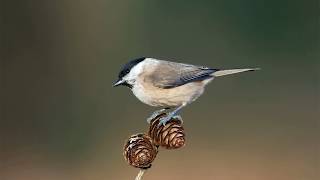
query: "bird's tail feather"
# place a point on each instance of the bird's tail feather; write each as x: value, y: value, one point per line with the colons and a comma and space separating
x: 232, y: 71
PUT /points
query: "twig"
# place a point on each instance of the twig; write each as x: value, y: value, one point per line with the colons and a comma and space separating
x: 140, y: 174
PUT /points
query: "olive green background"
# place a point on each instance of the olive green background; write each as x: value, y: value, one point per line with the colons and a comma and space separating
x: 61, y: 119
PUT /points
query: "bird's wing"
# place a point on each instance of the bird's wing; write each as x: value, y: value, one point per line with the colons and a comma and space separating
x: 170, y: 74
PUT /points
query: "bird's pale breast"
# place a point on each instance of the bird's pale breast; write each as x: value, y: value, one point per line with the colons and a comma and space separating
x: 171, y: 97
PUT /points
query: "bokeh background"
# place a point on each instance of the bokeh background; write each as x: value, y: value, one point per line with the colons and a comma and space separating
x: 61, y: 119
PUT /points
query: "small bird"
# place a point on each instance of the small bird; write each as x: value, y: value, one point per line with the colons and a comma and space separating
x: 168, y: 84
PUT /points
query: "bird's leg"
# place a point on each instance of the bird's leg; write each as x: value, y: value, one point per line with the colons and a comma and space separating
x: 165, y: 119
x: 156, y: 113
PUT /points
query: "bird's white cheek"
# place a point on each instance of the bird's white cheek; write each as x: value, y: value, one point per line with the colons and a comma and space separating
x: 129, y: 80
x: 132, y: 82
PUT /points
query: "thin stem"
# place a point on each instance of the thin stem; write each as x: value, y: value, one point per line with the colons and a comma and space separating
x: 140, y: 174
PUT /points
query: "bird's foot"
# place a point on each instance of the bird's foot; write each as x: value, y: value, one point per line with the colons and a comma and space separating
x: 155, y: 114
x: 178, y: 118
x: 163, y: 121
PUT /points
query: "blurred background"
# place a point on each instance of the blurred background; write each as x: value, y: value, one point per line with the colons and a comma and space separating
x: 61, y: 119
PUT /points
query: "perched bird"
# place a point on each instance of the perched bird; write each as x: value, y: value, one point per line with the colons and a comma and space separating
x: 168, y: 84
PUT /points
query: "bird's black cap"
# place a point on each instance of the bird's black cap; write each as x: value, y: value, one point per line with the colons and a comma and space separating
x: 127, y: 67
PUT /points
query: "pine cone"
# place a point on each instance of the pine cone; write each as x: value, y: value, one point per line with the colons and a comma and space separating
x: 139, y: 151
x: 170, y: 136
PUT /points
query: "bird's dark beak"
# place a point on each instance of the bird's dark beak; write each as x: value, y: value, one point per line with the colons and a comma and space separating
x: 118, y: 82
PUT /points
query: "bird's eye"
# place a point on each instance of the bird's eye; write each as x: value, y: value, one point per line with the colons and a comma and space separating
x: 127, y: 71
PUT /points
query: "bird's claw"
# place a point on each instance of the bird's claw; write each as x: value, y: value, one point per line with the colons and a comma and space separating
x: 178, y: 118
x: 166, y: 119
x: 155, y: 114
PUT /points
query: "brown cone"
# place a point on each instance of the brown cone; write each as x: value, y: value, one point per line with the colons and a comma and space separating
x: 170, y: 136
x: 139, y: 151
